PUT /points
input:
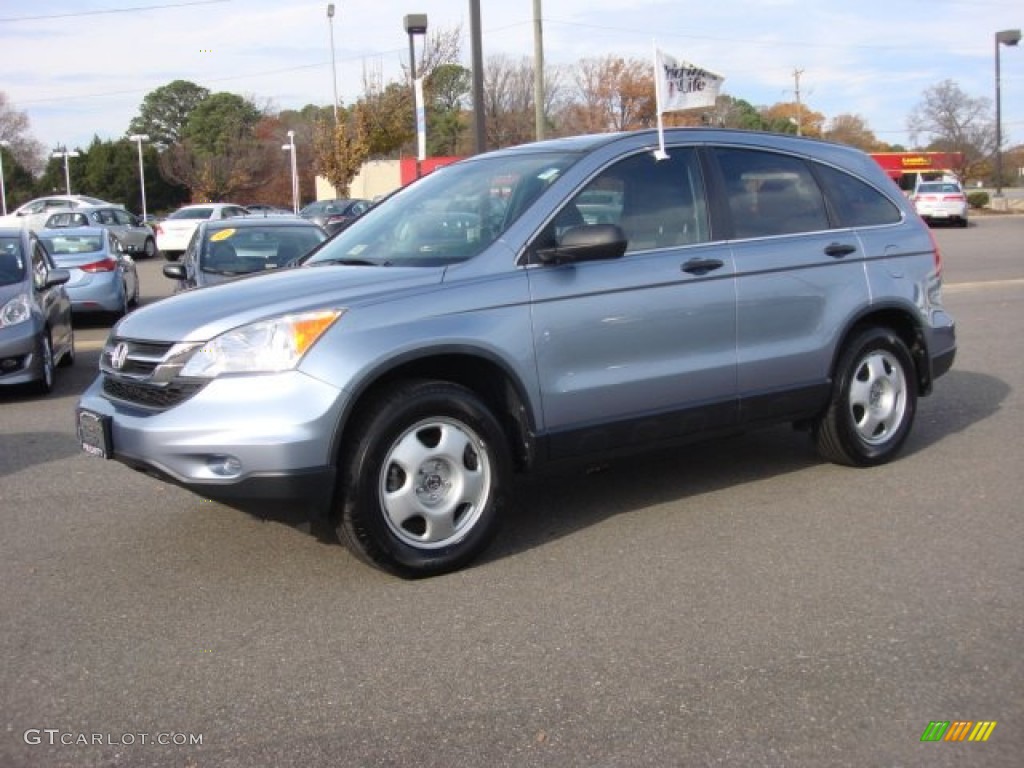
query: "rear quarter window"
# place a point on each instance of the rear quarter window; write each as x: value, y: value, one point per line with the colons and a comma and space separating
x: 854, y: 202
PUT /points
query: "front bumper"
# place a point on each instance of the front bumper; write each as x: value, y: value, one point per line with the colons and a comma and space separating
x: 20, y: 359
x: 265, y: 437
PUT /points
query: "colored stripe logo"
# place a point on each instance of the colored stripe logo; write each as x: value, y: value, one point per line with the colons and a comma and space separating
x: 958, y: 730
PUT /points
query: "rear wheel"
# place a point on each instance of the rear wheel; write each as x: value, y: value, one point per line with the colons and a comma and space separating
x: 425, y: 481
x: 873, y: 403
x: 149, y: 249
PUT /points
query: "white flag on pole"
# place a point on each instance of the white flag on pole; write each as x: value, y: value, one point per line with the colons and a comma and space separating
x: 681, y: 85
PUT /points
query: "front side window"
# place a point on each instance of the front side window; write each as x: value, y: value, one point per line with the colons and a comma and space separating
x: 657, y: 203
x: 770, y: 193
x: 449, y: 216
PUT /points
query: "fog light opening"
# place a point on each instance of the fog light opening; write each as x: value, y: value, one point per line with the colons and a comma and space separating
x: 225, y: 466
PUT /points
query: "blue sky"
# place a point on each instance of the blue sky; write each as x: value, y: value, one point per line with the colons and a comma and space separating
x: 81, y: 68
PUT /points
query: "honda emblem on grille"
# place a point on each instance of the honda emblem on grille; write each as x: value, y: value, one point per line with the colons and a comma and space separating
x: 117, y: 357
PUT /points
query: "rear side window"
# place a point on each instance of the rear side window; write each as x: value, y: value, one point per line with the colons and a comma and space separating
x: 856, y: 204
x: 770, y: 194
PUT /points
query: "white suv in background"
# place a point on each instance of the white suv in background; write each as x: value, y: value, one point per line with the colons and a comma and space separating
x: 174, y: 232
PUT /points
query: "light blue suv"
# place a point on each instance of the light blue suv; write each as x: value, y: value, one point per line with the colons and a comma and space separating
x: 557, y: 301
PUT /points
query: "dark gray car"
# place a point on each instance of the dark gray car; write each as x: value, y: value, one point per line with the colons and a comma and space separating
x: 135, y: 236
x: 227, y: 249
x: 557, y: 301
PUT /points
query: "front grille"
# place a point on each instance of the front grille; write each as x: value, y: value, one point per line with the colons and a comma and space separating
x: 149, y: 395
x: 146, y: 373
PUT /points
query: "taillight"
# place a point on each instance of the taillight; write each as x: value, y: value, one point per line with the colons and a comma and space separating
x: 157, y: 229
x: 937, y: 254
x: 104, y: 265
x: 958, y: 198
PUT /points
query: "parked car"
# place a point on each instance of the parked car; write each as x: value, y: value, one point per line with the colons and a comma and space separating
x: 34, y: 213
x: 103, y: 278
x: 401, y: 377
x: 335, y: 215
x: 36, y: 333
x: 134, y: 235
x: 223, y: 250
x: 941, y: 201
x: 174, y: 232
x: 261, y: 209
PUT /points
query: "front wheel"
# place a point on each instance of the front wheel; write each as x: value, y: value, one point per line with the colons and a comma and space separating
x: 873, y: 403
x: 425, y: 480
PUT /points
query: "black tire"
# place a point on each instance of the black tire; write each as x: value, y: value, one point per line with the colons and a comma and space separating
x: 149, y: 249
x: 44, y: 385
x: 874, y: 400
x: 446, y: 436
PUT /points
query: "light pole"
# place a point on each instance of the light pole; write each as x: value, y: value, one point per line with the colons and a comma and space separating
x: 3, y: 189
x: 290, y: 148
x: 416, y: 24
x: 334, y: 67
x: 138, y: 138
x: 476, y: 39
x: 63, y: 152
x: 1006, y: 37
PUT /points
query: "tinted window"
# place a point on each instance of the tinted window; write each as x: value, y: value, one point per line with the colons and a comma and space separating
x: 192, y: 213
x: 770, y: 194
x: 856, y: 204
x: 658, y: 203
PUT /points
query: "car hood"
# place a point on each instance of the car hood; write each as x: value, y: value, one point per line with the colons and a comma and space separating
x: 203, y: 313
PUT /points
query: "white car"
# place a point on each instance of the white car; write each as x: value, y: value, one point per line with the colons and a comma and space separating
x: 940, y: 201
x: 34, y: 213
x: 174, y: 233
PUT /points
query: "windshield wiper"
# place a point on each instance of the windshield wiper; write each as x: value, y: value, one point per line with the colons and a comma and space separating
x: 352, y: 263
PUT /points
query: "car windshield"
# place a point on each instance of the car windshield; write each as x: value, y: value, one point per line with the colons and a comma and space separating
x: 192, y: 213
x: 70, y: 245
x: 239, y: 251
x: 448, y: 216
x: 12, y: 265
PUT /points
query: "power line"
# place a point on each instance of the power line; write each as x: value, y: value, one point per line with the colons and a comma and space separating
x: 105, y: 11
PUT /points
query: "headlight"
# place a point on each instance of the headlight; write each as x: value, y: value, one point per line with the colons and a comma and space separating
x: 15, y: 311
x: 268, y: 346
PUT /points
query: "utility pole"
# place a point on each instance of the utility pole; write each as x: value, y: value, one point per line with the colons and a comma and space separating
x: 538, y: 71
x: 799, y: 110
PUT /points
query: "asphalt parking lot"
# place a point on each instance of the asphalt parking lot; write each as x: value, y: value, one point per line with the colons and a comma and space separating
x: 736, y: 603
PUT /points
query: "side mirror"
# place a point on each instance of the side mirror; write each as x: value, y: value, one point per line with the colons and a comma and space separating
x: 586, y: 243
x: 56, y: 277
x: 175, y: 271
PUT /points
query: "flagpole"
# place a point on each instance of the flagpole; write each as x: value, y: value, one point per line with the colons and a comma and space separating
x: 660, y: 153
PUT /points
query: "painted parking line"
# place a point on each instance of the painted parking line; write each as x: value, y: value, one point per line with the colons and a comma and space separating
x: 958, y: 287
x: 87, y: 345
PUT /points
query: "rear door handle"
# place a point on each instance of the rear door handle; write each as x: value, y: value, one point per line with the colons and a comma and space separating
x: 702, y: 266
x: 837, y: 251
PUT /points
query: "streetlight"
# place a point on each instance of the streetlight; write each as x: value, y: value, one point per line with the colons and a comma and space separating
x: 1006, y: 37
x: 290, y: 148
x: 138, y: 138
x: 416, y: 24
x: 63, y: 152
x: 3, y: 190
x: 334, y: 68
